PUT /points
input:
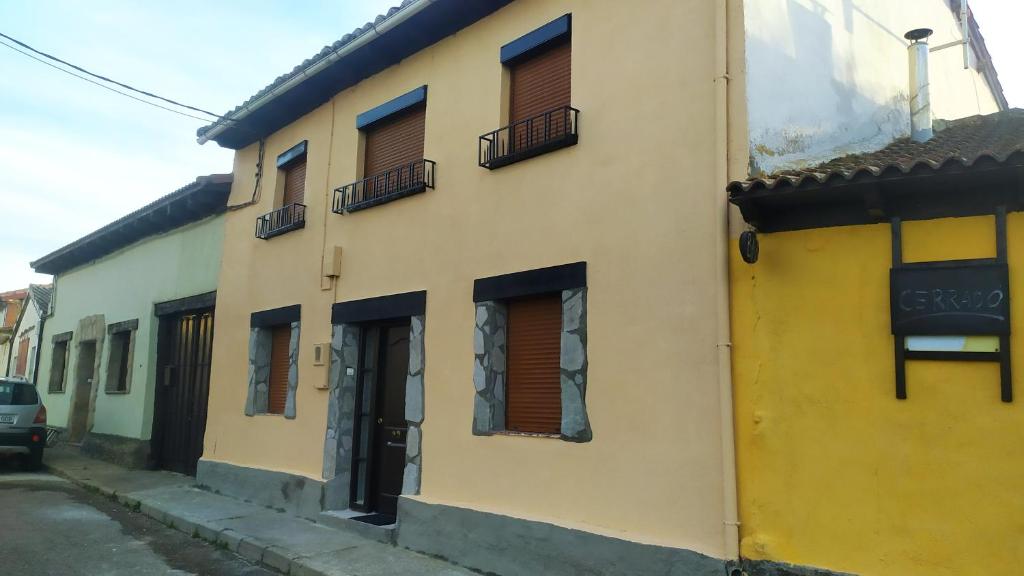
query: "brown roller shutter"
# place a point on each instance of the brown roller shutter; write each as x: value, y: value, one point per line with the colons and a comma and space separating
x: 19, y: 368
x: 395, y: 141
x: 280, y: 342
x: 534, y: 393
x: 295, y: 183
x: 541, y: 83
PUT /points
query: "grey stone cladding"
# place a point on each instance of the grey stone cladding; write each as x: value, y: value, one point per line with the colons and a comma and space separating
x: 414, y: 407
x: 575, y: 424
x: 259, y: 372
x: 489, y: 346
x: 341, y: 407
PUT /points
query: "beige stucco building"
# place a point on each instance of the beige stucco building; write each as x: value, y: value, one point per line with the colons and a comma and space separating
x: 475, y: 275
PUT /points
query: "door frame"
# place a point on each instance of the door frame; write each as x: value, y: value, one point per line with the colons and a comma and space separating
x: 168, y: 314
x: 372, y: 482
x: 88, y: 403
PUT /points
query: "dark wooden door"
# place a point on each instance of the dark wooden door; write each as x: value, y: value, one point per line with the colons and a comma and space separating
x: 183, y: 364
x: 85, y: 368
x: 382, y: 429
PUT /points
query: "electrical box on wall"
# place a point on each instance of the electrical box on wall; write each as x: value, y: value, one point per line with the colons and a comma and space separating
x: 321, y: 356
x: 332, y: 262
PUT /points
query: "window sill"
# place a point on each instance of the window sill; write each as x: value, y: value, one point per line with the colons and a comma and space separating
x: 117, y: 392
x: 527, y: 434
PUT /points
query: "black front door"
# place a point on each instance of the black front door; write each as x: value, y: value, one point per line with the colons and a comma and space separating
x: 183, y: 383
x: 381, y: 430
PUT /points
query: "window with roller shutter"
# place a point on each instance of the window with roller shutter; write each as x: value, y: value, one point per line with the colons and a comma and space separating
x: 541, y: 82
x: 295, y: 183
x: 395, y: 141
x: 280, y: 341
x: 534, y: 395
x: 541, y: 118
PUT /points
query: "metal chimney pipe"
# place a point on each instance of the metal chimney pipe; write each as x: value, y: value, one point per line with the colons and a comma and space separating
x: 920, y: 101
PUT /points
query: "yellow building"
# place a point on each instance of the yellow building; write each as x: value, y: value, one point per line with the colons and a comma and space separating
x: 475, y: 275
x: 878, y: 418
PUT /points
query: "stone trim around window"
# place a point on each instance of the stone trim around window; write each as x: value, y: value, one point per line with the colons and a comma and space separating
x: 258, y: 397
x: 489, y: 380
x: 113, y: 361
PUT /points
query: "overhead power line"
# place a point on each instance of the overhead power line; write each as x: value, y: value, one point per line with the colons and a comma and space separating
x: 104, y: 79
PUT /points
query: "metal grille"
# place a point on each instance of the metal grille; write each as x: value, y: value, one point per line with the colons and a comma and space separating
x: 398, y: 182
x: 527, y: 138
x: 284, y: 219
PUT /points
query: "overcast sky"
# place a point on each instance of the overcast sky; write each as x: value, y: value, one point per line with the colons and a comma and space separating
x: 74, y: 156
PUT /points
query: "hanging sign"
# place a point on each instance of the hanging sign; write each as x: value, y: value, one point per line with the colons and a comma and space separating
x: 950, y: 298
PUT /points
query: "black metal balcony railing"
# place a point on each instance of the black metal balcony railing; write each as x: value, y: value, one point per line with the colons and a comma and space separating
x: 284, y: 219
x: 530, y: 137
x: 405, y: 180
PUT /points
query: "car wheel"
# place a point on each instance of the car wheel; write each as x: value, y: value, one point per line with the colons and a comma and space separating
x: 34, y: 461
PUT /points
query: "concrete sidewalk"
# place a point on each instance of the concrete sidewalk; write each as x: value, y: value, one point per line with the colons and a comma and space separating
x: 285, y: 543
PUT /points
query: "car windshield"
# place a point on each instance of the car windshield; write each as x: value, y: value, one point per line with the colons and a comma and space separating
x: 17, y: 394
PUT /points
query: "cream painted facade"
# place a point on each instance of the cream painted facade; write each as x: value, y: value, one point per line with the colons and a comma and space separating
x: 617, y: 200
x: 121, y: 287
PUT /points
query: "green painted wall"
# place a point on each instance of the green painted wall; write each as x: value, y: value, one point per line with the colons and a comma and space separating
x: 124, y: 286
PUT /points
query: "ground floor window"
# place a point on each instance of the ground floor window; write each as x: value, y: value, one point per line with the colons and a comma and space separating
x: 530, y: 359
x: 273, y: 362
x: 119, y: 356
x: 533, y: 396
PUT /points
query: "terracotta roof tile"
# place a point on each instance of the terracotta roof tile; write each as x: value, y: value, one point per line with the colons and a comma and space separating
x: 998, y: 137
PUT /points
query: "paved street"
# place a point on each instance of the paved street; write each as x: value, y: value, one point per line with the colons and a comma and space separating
x: 52, y: 527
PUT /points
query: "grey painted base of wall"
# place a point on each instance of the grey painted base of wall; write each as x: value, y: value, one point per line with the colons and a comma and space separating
x: 289, y: 493
x: 766, y: 568
x: 514, y: 547
x: 120, y: 450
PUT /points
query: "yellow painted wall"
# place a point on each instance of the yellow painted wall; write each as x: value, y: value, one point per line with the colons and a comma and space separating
x: 635, y: 199
x: 834, y: 471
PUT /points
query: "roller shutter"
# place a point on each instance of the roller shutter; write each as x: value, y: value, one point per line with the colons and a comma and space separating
x: 280, y: 342
x: 395, y: 141
x: 541, y: 83
x: 295, y: 183
x: 19, y: 368
x: 534, y: 392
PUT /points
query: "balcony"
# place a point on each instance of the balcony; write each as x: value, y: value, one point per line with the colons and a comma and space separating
x: 554, y: 129
x: 284, y: 219
x: 405, y: 180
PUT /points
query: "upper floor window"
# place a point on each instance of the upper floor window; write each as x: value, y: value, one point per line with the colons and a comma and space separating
x: 539, y: 83
x: 540, y: 116
x: 393, y: 165
x: 295, y: 183
x: 290, y: 213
